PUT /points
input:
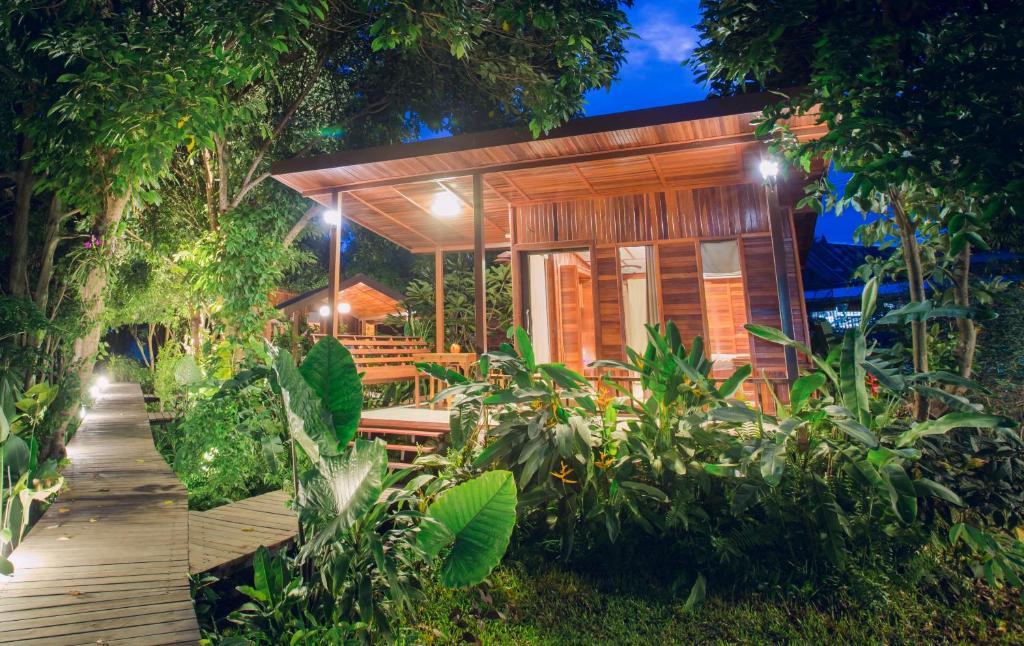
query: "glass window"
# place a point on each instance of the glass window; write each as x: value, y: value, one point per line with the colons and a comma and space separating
x: 725, y: 301
x: 559, y: 311
x: 639, y: 294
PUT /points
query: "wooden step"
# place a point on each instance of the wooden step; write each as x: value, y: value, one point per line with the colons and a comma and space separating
x: 409, y: 448
x: 402, y: 424
x: 399, y: 431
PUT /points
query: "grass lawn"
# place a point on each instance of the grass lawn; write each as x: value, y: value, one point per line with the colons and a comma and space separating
x: 558, y: 608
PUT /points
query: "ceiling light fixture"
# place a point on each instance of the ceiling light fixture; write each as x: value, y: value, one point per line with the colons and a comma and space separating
x: 332, y: 217
x: 344, y: 308
x: 445, y: 205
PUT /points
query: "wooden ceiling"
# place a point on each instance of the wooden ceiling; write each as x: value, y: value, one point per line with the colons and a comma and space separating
x: 389, y: 190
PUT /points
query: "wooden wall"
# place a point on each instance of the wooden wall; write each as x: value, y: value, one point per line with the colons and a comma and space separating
x: 673, y: 222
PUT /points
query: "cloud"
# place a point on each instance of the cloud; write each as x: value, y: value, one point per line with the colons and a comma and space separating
x: 662, y: 36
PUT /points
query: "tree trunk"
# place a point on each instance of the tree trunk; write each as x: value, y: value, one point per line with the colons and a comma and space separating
x: 51, y: 238
x: 18, y: 276
x: 93, y: 287
x: 915, y: 279
x: 967, y: 332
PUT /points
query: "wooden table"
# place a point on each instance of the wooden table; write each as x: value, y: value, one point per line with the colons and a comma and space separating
x: 462, y: 362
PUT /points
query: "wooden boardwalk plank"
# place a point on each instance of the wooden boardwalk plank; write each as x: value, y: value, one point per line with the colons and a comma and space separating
x: 225, y: 538
x: 108, y: 561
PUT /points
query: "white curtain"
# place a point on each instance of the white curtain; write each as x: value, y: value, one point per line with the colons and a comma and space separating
x: 537, y: 312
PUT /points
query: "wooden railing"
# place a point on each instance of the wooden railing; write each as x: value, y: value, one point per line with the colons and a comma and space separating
x: 386, y: 359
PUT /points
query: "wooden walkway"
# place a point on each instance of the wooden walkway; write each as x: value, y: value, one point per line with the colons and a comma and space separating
x: 108, y: 562
x: 224, y: 539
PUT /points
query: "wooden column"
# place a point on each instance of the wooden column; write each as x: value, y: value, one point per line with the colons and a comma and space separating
x: 479, y: 260
x: 776, y: 224
x: 439, y: 298
x: 334, y: 270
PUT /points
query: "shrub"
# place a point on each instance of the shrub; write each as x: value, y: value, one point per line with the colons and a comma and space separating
x: 227, y: 448
x: 123, y: 368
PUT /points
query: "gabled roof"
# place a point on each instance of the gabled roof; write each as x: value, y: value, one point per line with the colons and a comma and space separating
x: 369, y: 299
x: 389, y: 189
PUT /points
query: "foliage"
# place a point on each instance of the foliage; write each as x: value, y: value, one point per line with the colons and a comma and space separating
x: 459, y: 298
x: 125, y: 369
x: 24, y: 480
x: 227, y: 448
x: 359, y: 526
x: 837, y: 470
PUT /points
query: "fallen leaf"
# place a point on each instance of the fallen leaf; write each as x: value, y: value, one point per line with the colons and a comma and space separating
x: 63, y: 510
x: 167, y: 503
x: 64, y: 538
x: 74, y: 593
x: 248, y: 529
x: 140, y: 461
x: 93, y: 520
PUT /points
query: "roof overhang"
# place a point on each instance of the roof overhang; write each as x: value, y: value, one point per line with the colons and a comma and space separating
x: 369, y: 299
x: 389, y: 189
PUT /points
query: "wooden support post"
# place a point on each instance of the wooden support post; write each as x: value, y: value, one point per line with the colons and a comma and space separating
x: 439, y: 298
x: 334, y: 270
x: 479, y: 260
x: 776, y: 224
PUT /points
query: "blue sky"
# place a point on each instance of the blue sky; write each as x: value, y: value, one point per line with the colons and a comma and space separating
x: 654, y: 75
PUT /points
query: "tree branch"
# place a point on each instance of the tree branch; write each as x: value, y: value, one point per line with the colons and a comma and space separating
x: 248, y: 183
x: 299, y: 226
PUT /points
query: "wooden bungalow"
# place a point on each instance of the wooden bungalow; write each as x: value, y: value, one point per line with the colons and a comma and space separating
x: 610, y: 222
x: 362, y: 304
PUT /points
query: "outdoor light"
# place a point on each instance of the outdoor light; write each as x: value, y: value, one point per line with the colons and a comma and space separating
x: 769, y: 168
x: 102, y: 382
x: 95, y: 392
x: 332, y: 217
x: 324, y: 310
x: 445, y: 205
x: 82, y: 412
x: 344, y: 308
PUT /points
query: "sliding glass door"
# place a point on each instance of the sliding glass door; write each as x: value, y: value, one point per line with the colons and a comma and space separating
x: 559, y: 306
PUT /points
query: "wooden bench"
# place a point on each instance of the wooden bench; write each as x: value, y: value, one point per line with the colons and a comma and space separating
x: 387, y: 359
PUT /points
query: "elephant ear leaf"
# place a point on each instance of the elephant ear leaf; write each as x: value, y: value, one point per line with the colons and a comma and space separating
x: 474, y: 520
x: 336, y: 494
x: 331, y: 372
x: 308, y: 422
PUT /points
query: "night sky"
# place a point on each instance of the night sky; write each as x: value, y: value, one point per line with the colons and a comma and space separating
x: 654, y: 75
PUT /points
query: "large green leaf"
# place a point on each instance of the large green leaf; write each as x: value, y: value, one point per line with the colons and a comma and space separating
x: 330, y: 371
x: 803, y: 388
x: 902, y: 493
x: 948, y: 422
x: 336, y: 494
x: 308, y: 421
x: 852, y: 375
x: 776, y: 336
x: 475, y: 519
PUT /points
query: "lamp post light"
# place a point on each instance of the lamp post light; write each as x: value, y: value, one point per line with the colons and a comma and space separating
x: 776, y: 225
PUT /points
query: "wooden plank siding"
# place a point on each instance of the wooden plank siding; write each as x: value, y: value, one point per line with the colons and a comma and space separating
x: 673, y: 223
x: 609, y: 304
x: 681, y: 299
